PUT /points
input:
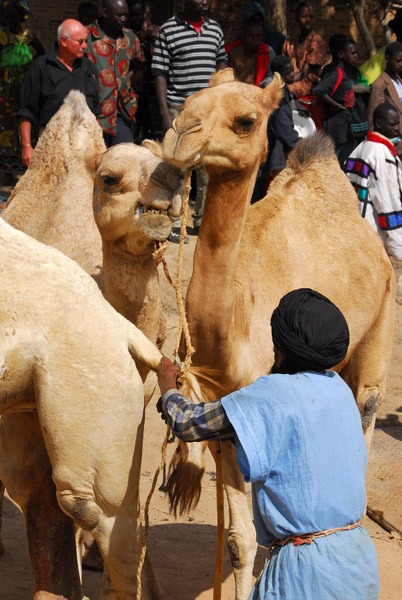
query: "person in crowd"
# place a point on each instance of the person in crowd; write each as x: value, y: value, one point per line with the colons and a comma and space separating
x: 113, y: 49
x: 334, y: 43
x: 188, y: 50
x: 375, y: 172
x: 307, y: 51
x: 249, y: 57
x: 51, y: 77
x: 282, y: 136
x: 299, y: 441
x: 388, y: 87
x: 140, y: 23
x: 16, y: 41
x: 344, y: 119
x: 374, y: 66
x: 147, y: 116
x: 87, y: 13
x: 271, y: 37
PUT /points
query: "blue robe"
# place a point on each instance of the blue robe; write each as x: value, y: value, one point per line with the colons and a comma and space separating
x: 299, y: 441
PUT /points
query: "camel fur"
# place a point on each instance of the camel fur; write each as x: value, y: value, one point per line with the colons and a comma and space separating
x: 306, y: 232
x: 53, y: 202
x: 72, y: 408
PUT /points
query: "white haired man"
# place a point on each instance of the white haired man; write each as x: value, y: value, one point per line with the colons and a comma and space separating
x: 51, y: 77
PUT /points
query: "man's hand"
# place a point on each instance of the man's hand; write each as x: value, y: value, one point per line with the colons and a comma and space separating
x: 26, y: 155
x: 167, y: 374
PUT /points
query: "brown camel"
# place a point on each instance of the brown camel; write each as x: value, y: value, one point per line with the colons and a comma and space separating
x: 72, y: 417
x: 307, y: 232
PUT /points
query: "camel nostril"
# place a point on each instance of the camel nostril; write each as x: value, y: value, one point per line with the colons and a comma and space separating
x: 188, y: 125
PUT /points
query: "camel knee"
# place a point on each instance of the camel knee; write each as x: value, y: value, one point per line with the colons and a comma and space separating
x: 369, y: 405
x: 84, y: 511
x: 242, y: 549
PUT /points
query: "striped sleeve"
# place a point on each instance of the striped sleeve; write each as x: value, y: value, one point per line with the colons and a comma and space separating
x: 160, y: 58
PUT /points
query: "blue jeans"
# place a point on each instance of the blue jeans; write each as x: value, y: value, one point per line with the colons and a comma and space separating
x: 124, y: 133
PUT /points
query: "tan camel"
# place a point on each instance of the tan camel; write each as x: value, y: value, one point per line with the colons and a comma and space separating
x: 134, y: 193
x: 307, y: 232
x: 67, y: 378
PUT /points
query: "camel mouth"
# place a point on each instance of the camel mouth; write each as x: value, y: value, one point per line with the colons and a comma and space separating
x: 142, y: 209
x: 154, y: 224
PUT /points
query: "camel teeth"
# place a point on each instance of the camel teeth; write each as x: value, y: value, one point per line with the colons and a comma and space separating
x: 141, y: 209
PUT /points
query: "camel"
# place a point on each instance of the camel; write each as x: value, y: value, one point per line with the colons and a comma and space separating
x: 306, y: 232
x: 134, y: 192
x: 53, y: 202
x: 66, y: 363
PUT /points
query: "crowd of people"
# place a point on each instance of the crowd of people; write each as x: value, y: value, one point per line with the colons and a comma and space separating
x: 136, y: 76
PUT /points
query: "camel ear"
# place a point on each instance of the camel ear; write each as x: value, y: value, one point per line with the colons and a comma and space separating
x: 91, y: 159
x: 273, y: 92
x: 154, y: 147
x: 222, y: 76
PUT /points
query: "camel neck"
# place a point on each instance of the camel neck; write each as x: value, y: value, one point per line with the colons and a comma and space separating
x: 211, y: 293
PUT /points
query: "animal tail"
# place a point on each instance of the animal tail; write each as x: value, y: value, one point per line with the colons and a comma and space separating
x: 187, y: 466
x: 318, y: 146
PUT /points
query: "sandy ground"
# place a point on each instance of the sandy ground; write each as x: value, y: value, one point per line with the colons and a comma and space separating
x: 183, y: 550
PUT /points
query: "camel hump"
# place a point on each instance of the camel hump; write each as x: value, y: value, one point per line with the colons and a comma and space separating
x: 75, y: 101
x: 318, y: 146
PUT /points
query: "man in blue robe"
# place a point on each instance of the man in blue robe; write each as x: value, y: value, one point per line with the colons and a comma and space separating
x: 299, y: 441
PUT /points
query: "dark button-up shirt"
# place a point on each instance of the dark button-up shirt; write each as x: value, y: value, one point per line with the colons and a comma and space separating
x: 48, y: 82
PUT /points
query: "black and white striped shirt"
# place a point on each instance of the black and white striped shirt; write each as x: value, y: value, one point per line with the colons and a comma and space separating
x: 185, y: 58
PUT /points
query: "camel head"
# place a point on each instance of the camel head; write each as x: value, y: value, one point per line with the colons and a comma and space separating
x: 223, y: 127
x: 135, y: 192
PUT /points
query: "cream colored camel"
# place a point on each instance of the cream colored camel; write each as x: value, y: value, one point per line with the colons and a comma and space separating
x: 53, y: 202
x: 67, y: 377
x: 307, y: 232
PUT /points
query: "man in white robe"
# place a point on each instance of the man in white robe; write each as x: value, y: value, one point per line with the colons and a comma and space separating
x: 375, y: 172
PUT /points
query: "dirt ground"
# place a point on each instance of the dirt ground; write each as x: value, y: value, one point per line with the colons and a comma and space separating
x: 183, y: 550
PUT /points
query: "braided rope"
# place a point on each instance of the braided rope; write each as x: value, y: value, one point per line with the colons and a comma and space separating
x: 158, y: 256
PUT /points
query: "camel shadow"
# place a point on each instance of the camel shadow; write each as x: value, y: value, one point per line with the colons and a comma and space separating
x: 391, y: 424
x: 183, y: 556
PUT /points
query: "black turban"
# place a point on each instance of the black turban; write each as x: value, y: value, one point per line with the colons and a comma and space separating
x: 309, y: 329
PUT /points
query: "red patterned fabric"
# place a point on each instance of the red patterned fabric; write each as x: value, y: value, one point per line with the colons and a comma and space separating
x: 112, y: 61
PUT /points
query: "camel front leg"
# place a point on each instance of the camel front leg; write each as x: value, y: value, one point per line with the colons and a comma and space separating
x: 241, y: 540
x: 27, y: 475
x: 366, y: 371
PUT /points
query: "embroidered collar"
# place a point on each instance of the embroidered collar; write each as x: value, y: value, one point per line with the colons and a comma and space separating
x: 373, y: 136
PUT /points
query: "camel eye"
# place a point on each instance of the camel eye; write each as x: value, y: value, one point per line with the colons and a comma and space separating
x: 243, y: 124
x: 109, y: 180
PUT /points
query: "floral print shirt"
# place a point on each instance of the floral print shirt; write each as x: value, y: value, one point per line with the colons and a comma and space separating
x: 113, y: 60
